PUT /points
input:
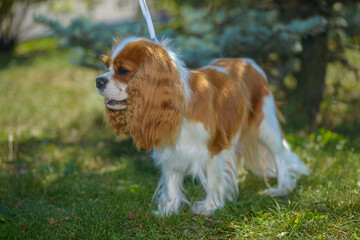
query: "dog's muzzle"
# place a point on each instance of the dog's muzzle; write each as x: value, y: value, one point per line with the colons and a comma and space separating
x: 101, y: 83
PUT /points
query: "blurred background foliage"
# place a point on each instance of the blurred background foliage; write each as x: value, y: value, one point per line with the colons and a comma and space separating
x: 56, y: 154
x: 11, y: 19
x: 309, y: 49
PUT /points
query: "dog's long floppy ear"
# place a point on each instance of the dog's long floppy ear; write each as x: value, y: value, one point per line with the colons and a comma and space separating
x: 156, y: 100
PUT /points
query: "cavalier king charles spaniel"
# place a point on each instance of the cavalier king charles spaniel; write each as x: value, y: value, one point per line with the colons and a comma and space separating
x: 206, y: 123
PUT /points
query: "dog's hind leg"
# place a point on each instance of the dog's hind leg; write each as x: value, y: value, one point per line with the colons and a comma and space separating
x: 220, y: 184
x: 288, y: 165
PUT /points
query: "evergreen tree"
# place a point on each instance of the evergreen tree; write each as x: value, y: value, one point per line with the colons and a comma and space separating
x: 287, y: 37
x: 316, y: 53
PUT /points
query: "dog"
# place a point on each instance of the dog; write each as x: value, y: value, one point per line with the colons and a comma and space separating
x: 205, y: 123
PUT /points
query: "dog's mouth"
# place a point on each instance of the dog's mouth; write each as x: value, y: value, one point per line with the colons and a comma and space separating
x: 116, y: 104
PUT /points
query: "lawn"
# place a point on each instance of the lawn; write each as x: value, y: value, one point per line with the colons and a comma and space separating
x: 65, y: 175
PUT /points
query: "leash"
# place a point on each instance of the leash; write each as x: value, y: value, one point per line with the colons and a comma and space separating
x: 148, y: 19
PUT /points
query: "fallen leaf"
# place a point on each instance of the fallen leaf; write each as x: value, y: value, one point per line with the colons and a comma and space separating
x: 53, y: 221
x: 131, y: 215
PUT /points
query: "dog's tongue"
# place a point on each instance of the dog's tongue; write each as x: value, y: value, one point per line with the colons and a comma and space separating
x: 107, y: 100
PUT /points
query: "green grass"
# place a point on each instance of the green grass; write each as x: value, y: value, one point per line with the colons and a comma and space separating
x: 71, y: 178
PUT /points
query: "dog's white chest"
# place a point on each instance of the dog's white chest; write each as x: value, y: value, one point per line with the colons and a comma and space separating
x: 190, y: 153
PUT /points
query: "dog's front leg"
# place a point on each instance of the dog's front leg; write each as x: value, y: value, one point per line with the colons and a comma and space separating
x: 169, y: 193
x: 221, y: 173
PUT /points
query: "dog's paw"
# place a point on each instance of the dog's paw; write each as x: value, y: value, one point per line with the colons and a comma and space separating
x: 282, y: 190
x: 286, y: 184
x: 276, y: 192
x: 203, y: 208
x: 160, y: 213
x: 167, y: 208
x: 156, y: 213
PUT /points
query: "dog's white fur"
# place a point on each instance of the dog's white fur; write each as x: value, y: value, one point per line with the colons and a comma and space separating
x: 218, y: 174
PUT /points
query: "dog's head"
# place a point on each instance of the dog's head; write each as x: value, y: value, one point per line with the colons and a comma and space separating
x: 143, y: 92
x: 121, y: 66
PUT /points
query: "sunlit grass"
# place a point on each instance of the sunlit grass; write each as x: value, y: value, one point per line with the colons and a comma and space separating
x: 47, y: 93
x: 70, y: 177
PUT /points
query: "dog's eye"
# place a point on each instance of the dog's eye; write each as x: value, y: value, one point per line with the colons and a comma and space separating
x: 122, y: 71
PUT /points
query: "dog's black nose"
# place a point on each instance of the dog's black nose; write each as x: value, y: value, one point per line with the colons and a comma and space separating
x: 101, y: 82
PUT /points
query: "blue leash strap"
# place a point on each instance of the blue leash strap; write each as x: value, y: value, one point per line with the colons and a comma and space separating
x: 148, y: 19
